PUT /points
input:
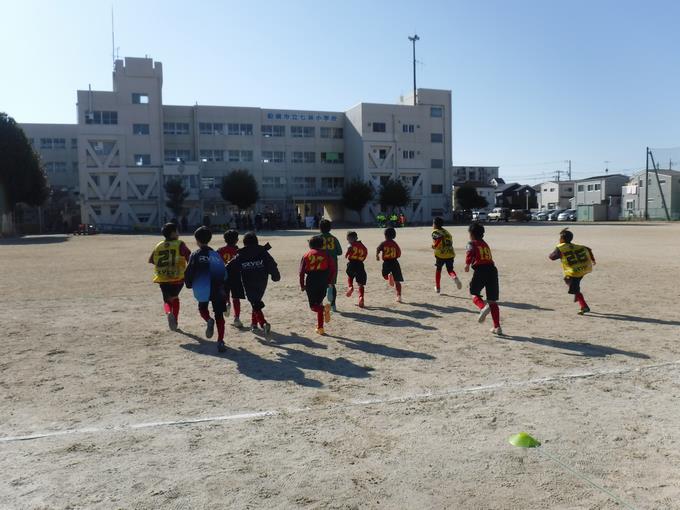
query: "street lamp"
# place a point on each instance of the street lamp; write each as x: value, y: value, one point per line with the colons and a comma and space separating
x: 413, y: 40
x: 527, y: 193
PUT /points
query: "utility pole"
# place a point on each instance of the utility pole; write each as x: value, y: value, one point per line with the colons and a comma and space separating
x: 558, y: 172
x: 569, y: 161
x: 413, y: 40
x: 647, y: 186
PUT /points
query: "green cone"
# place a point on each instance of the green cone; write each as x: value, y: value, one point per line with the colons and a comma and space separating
x: 523, y: 440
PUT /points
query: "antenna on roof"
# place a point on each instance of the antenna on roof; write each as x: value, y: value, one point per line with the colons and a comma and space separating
x: 113, y: 39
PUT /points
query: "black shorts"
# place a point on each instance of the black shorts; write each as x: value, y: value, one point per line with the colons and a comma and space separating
x: 485, y: 277
x: 439, y: 263
x: 218, y: 301
x: 170, y: 290
x: 392, y: 267
x: 233, y: 288
x: 574, y: 284
x: 356, y: 269
x: 316, y: 285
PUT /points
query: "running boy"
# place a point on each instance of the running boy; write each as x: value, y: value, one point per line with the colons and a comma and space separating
x: 442, y: 244
x: 356, y: 254
x: 334, y: 250
x: 254, y: 265
x: 205, y: 274
x: 233, y: 288
x: 478, y: 255
x: 391, y: 270
x: 577, y: 261
x: 316, y: 270
x: 169, y: 258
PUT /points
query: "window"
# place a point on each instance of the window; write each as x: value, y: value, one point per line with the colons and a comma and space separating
x: 59, y: 143
x: 310, y: 157
x: 307, y: 183
x: 552, y: 189
x: 332, y: 183
x: 273, y: 156
x: 239, y: 129
x: 246, y: 156
x: 211, y: 155
x: 333, y: 157
x: 379, y: 127
x: 45, y: 143
x: 177, y: 155
x: 234, y: 156
x: 74, y: 143
x: 101, y: 117
x: 581, y: 187
x: 242, y: 156
x: 140, y: 129
x: 273, y: 182
x: 630, y: 205
x: 569, y: 189
x: 596, y: 187
x: 382, y: 153
x: 296, y: 157
x: 303, y: 157
x: 407, y: 154
x: 408, y: 128
x: 436, y: 111
x: 302, y: 131
x: 437, y: 163
x: 436, y: 138
x: 142, y: 159
x: 175, y: 128
x: 331, y: 132
x: 437, y: 189
x: 138, y: 98
x: 276, y: 131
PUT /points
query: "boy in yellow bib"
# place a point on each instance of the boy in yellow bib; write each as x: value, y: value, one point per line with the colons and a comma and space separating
x: 442, y: 244
x: 577, y: 261
x: 169, y: 259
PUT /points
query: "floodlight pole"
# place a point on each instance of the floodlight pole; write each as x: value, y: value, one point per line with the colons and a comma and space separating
x: 413, y: 40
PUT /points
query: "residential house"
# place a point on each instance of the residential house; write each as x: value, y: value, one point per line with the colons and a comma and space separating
x: 666, y: 189
x: 515, y: 196
x: 555, y: 194
x: 598, y: 198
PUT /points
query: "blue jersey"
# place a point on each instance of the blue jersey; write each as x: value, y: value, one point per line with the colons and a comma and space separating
x: 205, y: 274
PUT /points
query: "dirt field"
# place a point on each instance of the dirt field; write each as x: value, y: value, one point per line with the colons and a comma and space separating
x: 400, y: 406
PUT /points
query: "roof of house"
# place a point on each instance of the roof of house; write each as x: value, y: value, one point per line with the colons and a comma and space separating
x: 605, y: 176
x: 660, y: 170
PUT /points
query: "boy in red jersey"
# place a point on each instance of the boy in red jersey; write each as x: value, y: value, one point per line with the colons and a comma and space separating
x: 232, y: 287
x: 317, y: 268
x: 478, y: 255
x: 170, y: 258
x: 577, y: 261
x: 356, y: 254
x: 391, y: 270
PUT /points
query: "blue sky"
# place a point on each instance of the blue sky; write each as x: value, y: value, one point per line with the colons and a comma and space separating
x: 535, y: 82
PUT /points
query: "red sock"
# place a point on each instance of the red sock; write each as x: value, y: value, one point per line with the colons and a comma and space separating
x: 319, y: 315
x: 361, y: 291
x: 397, y: 285
x: 350, y: 281
x: 205, y: 314
x: 237, y: 308
x: 479, y: 302
x: 260, y: 318
x: 175, y: 308
x: 495, y: 315
x: 453, y: 274
x: 167, y: 308
x: 253, y: 318
x: 220, y: 327
x: 438, y: 278
x: 581, y: 300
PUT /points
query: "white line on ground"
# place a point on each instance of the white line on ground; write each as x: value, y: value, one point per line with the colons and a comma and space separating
x: 354, y: 403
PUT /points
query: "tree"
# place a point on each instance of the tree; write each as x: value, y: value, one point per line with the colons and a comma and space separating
x: 240, y: 189
x: 356, y: 194
x: 468, y: 198
x: 394, y: 193
x: 176, y: 195
x: 22, y: 179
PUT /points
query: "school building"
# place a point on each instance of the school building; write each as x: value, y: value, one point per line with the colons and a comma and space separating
x: 126, y: 144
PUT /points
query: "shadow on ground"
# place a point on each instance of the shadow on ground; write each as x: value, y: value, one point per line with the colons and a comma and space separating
x: 582, y: 348
x: 632, y: 318
x: 393, y: 322
x: 381, y: 349
x: 46, y: 239
x: 441, y: 308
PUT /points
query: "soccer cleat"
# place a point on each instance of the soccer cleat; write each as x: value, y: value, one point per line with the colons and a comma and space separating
x: 172, y: 322
x: 227, y: 310
x: 267, y: 328
x: 584, y: 311
x: 327, y: 312
x: 320, y: 331
x: 459, y: 285
x: 437, y: 290
x: 237, y: 323
x: 483, y: 313
x: 390, y: 280
x: 497, y: 331
x: 350, y: 291
x: 399, y: 298
x: 220, y: 346
x: 209, y: 328
x: 254, y: 328
x: 361, y: 302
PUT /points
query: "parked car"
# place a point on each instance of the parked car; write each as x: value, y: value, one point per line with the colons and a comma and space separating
x: 499, y: 214
x: 568, y: 215
x: 86, y: 230
x: 520, y: 215
x: 479, y: 215
x: 552, y: 216
x: 540, y: 215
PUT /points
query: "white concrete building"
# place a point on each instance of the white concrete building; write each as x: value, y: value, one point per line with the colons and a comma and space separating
x: 555, y: 195
x: 129, y: 143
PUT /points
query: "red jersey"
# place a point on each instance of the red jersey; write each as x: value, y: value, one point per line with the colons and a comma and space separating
x: 478, y: 253
x: 357, y: 251
x: 316, y: 261
x: 390, y: 250
x: 227, y: 253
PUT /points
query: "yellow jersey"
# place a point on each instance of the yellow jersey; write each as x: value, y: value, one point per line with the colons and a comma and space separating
x: 442, y: 244
x: 576, y: 260
x: 169, y: 262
